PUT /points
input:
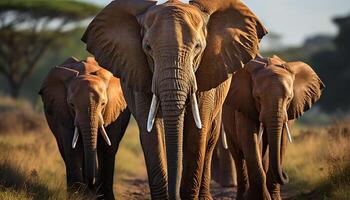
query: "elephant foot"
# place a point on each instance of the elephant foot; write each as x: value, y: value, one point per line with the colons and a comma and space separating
x: 240, y: 196
x: 257, y: 195
x: 227, y: 182
x: 205, y: 197
x: 276, y: 196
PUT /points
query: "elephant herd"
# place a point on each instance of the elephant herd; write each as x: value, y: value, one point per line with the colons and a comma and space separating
x: 186, y: 71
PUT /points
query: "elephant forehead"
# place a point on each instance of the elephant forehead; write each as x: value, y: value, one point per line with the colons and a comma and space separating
x: 88, y: 83
x: 175, y: 11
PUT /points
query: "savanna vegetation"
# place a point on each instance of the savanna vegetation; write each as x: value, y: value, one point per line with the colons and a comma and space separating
x: 317, y: 161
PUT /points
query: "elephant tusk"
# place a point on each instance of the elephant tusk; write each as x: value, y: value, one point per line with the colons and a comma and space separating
x: 261, y: 132
x: 152, y: 113
x: 223, y: 137
x: 288, y: 133
x: 103, y: 132
x: 195, y: 111
x: 75, y: 137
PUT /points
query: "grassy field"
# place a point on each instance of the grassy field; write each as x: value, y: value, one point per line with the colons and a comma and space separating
x: 318, y: 161
x: 30, y: 164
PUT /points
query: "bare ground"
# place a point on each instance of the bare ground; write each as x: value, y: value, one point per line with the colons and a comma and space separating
x: 137, y: 188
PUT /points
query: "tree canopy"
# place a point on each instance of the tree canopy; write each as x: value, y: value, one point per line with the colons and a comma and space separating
x: 29, y: 27
x: 333, y: 67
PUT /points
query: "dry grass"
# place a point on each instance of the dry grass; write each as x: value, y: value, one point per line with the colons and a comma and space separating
x: 30, y: 164
x: 319, y: 162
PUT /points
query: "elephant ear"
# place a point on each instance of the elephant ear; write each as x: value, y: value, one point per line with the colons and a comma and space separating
x: 116, y: 102
x: 114, y: 38
x: 240, y: 96
x: 233, y: 37
x: 307, y: 88
x: 53, y: 92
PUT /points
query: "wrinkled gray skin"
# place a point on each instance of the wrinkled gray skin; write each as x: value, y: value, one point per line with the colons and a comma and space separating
x: 176, y: 53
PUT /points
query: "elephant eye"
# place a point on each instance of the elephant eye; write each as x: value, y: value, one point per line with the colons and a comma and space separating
x: 198, y: 46
x: 71, y: 105
x: 148, y: 47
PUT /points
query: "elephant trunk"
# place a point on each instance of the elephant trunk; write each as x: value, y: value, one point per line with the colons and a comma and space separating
x: 89, y: 136
x: 173, y: 116
x: 274, y: 128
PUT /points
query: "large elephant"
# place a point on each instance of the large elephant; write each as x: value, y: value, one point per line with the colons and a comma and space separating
x: 167, y: 56
x: 264, y: 99
x: 88, y: 115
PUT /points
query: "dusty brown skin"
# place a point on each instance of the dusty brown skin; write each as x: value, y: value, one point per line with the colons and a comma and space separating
x: 223, y: 169
x: 172, y: 51
x: 270, y: 92
x: 75, y: 94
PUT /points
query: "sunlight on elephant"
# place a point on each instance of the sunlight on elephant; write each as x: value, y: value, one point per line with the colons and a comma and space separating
x: 86, y: 111
x: 264, y: 99
x: 175, y: 61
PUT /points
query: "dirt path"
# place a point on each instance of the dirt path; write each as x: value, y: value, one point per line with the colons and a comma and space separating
x: 137, y: 189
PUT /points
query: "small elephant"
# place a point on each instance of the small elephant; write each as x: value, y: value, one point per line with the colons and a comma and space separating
x: 86, y: 111
x: 264, y: 99
x: 175, y: 61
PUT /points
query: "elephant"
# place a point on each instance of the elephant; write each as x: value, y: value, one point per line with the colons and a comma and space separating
x: 175, y: 61
x: 223, y: 170
x: 266, y: 96
x: 83, y: 100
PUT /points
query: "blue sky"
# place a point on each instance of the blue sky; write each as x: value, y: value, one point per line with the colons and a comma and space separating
x: 294, y: 20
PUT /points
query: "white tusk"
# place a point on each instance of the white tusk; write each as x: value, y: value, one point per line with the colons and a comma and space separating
x: 152, y: 113
x: 104, y: 133
x: 75, y: 137
x: 261, y: 132
x: 195, y: 111
x: 288, y: 133
x: 223, y: 137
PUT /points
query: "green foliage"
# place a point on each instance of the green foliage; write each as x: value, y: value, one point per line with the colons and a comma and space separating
x: 74, y: 10
x: 333, y: 67
x: 28, y: 29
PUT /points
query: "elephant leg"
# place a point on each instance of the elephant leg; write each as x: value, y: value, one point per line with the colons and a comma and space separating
x: 241, y: 168
x: 234, y: 146
x: 252, y: 154
x: 211, y: 143
x: 152, y: 143
x: 194, y: 156
x: 73, y: 159
x: 106, y: 154
x: 154, y: 153
x: 227, y: 170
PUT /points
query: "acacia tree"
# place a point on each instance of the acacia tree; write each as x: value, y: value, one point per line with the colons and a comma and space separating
x: 29, y: 27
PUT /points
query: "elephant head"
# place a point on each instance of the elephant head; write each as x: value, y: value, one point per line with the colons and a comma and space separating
x: 272, y: 92
x: 173, y: 50
x: 85, y: 98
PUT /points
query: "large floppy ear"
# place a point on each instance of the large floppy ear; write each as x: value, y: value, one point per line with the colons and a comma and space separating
x: 307, y: 88
x: 233, y: 37
x: 114, y: 38
x: 240, y: 96
x: 53, y: 92
x: 116, y: 102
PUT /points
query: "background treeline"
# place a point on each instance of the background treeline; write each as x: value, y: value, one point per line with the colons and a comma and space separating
x: 327, y: 54
x: 330, y: 58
